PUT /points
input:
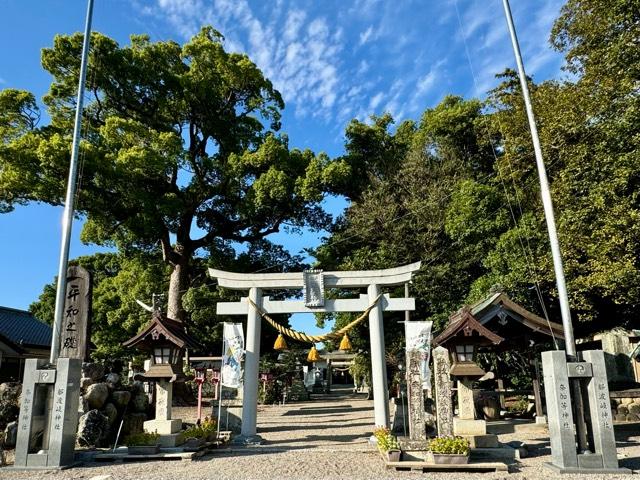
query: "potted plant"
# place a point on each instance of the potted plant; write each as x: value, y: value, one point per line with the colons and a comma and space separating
x: 144, y: 443
x: 449, y: 450
x: 387, y: 444
x: 197, y: 435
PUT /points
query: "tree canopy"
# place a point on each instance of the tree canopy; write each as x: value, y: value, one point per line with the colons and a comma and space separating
x: 180, y: 150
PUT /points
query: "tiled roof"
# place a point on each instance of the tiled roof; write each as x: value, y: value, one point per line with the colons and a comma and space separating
x: 22, y: 328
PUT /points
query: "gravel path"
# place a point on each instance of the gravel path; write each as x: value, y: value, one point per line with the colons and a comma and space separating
x: 320, y: 440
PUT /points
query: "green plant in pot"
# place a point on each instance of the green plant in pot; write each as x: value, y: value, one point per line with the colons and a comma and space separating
x: 387, y: 444
x: 449, y: 450
x: 143, y: 443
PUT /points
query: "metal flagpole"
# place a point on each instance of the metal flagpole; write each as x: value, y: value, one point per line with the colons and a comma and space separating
x: 67, y: 218
x: 570, y: 344
x: 220, y: 382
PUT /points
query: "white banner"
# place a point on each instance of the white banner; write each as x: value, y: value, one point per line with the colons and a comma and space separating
x: 233, y: 338
x: 418, y: 338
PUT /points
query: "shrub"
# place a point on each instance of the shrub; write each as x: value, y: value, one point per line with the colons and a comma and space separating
x: 449, y: 445
x: 206, y: 428
x: 385, y: 440
x: 141, y: 439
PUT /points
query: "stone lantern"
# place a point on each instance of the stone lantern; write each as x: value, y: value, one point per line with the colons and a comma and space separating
x: 462, y: 337
x: 165, y: 340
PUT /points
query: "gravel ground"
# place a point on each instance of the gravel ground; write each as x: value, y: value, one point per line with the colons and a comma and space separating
x: 321, y: 440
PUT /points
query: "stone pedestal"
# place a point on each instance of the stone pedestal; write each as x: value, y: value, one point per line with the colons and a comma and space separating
x: 163, y: 427
x: 163, y: 424
x: 49, y: 408
x: 465, y: 425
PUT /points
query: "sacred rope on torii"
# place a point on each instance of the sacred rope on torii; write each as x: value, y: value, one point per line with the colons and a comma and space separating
x: 281, y: 344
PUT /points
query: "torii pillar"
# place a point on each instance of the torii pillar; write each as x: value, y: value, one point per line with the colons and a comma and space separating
x: 313, y: 284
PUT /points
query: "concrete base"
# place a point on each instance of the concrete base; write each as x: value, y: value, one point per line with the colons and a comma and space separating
x: 163, y: 427
x: 482, y: 441
x: 50, y: 468
x: 414, y: 455
x: 541, y: 420
x: 504, y: 453
x: 247, y: 440
x: 469, y: 427
x: 171, y: 440
x: 587, y: 471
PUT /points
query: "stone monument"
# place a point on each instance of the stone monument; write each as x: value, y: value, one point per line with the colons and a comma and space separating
x: 51, y: 393
x: 415, y: 395
x: 442, y: 381
x: 48, y: 414
x: 590, y: 371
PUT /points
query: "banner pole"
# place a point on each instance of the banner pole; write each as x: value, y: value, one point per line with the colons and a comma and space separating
x: 220, y: 381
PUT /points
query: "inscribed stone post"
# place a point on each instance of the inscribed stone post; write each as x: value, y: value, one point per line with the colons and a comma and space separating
x: 442, y: 380
x: 417, y: 430
x: 74, y: 331
x: 600, y: 409
x: 556, y: 387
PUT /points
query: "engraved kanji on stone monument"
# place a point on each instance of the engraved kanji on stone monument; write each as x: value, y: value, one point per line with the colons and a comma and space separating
x: 74, y: 330
x: 417, y: 430
x: 442, y: 381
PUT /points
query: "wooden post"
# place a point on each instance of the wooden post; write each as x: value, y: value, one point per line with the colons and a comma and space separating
x: 500, y: 383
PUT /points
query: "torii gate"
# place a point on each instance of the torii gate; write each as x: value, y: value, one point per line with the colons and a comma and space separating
x: 313, y: 282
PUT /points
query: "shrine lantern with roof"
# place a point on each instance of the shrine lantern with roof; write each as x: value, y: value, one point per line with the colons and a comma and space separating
x: 463, y: 337
x: 165, y: 340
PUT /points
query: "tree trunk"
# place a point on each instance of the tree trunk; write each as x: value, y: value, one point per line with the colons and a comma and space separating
x: 177, y: 287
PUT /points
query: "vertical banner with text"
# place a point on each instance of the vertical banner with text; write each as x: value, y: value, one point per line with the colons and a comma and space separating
x: 418, y: 339
x: 233, y: 355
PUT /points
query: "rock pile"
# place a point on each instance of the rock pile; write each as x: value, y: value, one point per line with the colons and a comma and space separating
x: 626, y: 409
x: 105, y: 403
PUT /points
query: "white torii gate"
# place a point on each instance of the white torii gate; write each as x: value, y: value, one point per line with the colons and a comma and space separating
x: 314, y: 283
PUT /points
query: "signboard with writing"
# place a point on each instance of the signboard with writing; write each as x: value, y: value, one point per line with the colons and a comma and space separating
x: 74, y: 333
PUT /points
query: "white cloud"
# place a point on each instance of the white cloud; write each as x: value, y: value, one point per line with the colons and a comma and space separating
x: 366, y: 35
x: 375, y: 101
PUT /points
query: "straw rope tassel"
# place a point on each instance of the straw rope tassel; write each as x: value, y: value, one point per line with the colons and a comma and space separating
x: 345, y: 343
x: 281, y: 343
x: 303, y: 337
x: 313, y: 356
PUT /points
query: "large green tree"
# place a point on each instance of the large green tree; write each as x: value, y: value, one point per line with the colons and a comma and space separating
x: 180, y: 149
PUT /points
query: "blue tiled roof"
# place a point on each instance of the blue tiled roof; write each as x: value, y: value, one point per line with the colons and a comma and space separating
x: 22, y: 328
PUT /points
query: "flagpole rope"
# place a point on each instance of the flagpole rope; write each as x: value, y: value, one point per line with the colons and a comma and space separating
x: 303, y: 337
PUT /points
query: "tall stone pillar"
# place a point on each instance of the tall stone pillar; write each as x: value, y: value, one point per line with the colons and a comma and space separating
x: 378, y: 364
x: 442, y: 381
x: 251, y: 360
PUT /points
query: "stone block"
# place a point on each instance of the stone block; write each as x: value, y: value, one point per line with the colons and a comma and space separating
x: 541, y: 420
x: 97, y: 395
x: 482, y: 441
x: 171, y: 440
x: 133, y: 423
x: 469, y: 427
x: 121, y: 398
x: 590, y: 461
x: 94, y: 371
x: 163, y: 427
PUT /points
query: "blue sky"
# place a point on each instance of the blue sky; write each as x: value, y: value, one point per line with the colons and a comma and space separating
x: 331, y: 60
